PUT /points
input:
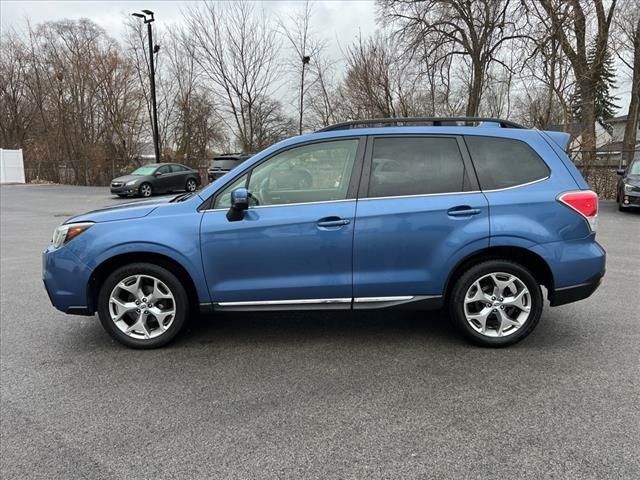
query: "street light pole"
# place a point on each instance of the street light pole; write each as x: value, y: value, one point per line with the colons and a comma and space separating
x: 305, y: 61
x: 147, y: 16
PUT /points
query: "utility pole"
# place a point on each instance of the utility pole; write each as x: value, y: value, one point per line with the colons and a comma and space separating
x: 305, y: 61
x: 147, y: 16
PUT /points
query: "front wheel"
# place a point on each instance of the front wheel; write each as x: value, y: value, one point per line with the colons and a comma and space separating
x: 143, y: 305
x: 496, y: 303
x: 146, y: 190
x: 191, y: 185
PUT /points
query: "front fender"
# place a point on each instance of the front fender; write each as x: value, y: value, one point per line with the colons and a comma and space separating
x: 178, y: 239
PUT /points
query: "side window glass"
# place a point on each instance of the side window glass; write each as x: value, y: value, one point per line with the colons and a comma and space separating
x: 310, y: 173
x: 164, y: 169
x: 177, y: 168
x: 416, y: 166
x: 503, y: 162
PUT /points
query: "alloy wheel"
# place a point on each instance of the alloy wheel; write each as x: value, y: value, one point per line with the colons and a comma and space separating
x: 145, y: 190
x: 142, y: 307
x: 191, y: 185
x: 497, y: 304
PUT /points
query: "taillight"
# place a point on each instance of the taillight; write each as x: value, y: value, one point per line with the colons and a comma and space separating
x: 585, y: 202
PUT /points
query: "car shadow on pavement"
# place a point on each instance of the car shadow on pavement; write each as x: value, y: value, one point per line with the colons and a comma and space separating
x: 309, y: 326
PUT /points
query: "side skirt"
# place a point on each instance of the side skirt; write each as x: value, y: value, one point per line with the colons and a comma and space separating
x: 421, y: 302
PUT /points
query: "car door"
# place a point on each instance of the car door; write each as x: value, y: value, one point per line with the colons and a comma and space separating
x: 419, y: 212
x: 294, y: 246
x: 163, y: 180
x: 178, y: 177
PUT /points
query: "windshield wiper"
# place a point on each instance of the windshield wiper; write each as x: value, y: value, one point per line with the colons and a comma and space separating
x: 182, y: 197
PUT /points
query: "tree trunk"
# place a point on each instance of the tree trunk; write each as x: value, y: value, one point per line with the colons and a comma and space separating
x: 475, y: 89
x: 633, y: 116
x: 588, y: 146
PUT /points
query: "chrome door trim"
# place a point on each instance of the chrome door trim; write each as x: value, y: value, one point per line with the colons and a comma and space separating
x: 309, y: 301
x: 382, y: 299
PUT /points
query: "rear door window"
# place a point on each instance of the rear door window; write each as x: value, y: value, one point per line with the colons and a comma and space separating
x: 504, y: 162
x: 403, y: 166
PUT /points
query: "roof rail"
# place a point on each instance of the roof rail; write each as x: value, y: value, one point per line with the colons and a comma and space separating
x: 433, y: 121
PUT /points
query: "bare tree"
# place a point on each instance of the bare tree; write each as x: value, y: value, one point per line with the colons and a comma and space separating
x: 627, y: 46
x: 237, y: 51
x: 377, y: 83
x: 569, y: 23
x: 306, y: 49
x: 474, y: 32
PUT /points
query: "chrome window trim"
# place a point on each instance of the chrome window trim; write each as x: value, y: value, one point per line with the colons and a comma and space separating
x: 518, y: 186
x: 284, y: 205
x: 388, y: 198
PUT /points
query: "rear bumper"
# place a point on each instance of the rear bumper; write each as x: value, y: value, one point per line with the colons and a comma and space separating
x: 577, y: 267
x: 562, y: 296
x: 213, y: 176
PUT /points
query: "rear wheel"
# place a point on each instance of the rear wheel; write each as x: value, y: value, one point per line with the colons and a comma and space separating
x: 146, y: 190
x: 143, y: 305
x: 191, y: 185
x: 496, y: 303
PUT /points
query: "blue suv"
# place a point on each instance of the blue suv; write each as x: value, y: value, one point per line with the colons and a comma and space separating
x: 474, y: 215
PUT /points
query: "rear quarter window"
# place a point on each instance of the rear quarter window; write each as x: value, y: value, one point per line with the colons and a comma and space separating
x: 504, y: 162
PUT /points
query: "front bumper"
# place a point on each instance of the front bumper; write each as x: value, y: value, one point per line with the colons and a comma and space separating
x: 630, y: 200
x: 124, y: 190
x: 66, y: 280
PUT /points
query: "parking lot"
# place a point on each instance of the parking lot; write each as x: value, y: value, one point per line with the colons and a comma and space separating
x: 313, y: 395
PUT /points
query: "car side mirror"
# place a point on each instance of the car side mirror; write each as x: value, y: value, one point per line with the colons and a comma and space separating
x: 620, y: 171
x: 239, y: 203
x: 159, y: 174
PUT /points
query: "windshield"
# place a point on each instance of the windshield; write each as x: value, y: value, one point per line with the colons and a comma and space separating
x: 634, y: 169
x: 146, y: 170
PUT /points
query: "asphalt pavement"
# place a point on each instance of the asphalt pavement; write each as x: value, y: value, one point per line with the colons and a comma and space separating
x: 327, y: 395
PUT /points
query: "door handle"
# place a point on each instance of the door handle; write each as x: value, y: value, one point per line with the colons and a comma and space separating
x: 333, y: 222
x: 463, y: 211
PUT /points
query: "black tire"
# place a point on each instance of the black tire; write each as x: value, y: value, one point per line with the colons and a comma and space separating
x: 621, y: 208
x: 191, y: 185
x: 145, y: 190
x: 181, y: 305
x: 476, y: 272
x: 122, y: 195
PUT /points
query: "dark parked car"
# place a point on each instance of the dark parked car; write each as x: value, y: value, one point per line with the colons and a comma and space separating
x: 156, y: 178
x: 224, y: 164
x: 628, y: 195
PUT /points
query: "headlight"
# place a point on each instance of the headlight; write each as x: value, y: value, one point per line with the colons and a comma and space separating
x: 66, y: 233
x: 132, y: 182
x: 628, y: 188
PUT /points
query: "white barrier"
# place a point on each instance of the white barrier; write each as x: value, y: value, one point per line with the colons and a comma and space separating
x: 11, y: 166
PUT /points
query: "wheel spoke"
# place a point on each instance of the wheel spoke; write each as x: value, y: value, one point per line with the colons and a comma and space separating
x: 161, y: 315
x: 518, y: 301
x: 501, y: 285
x: 122, y: 308
x: 481, y: 318
x: 505, y: 322
x: 157, y: 293
x: 479, y: 296
x: 133, y: 288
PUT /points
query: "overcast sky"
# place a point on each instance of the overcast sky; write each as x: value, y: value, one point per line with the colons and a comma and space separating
x: 340, y: 22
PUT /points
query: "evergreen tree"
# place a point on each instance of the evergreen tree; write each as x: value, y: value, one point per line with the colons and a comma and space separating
x: 605, y: 101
